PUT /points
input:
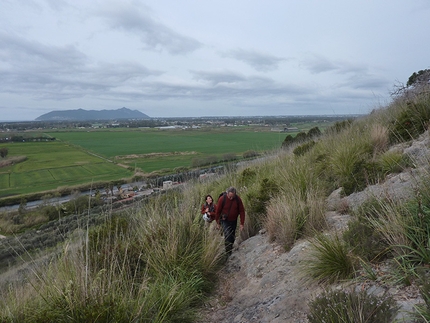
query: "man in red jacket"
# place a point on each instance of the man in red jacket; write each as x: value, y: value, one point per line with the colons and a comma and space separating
x: 228, y: 209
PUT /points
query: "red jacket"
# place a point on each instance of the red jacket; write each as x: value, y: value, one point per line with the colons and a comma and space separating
x: 211, y: 208
x: 233, y: 208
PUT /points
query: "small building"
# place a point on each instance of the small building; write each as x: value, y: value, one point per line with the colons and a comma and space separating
x: 292, y: 129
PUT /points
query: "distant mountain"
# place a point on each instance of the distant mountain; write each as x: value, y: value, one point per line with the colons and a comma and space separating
x: 87, y: 115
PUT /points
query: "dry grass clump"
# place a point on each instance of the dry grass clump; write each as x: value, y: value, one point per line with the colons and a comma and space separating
x: 379, y: 138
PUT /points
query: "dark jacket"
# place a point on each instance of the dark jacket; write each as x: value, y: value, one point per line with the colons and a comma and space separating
x: 233, y: 208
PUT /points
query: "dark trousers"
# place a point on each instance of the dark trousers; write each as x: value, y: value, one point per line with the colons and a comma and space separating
x: 229, y: 229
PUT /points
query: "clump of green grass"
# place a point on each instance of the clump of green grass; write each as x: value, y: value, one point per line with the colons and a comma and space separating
x: 351, y: 307
x: 329, y: 260
x: 392, y: 162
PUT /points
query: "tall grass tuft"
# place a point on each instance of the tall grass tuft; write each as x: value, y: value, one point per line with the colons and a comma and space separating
x: 379, y: 138
x: 298, y: 208
x: 329, y: 260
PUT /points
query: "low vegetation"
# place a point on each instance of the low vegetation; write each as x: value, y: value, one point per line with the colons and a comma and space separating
x: 157, y: 262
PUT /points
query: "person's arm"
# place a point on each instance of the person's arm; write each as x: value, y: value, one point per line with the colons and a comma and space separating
x: 203, y: 209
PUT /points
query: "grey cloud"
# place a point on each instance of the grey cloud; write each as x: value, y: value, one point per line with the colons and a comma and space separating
x: 369, y: 82
x: 60, y: 72
x: 259, y: 61
x: 27, y: 53
x: 318, y: 64
x: 218, y: 77
x: 153, y: 34
x: 248, y: 88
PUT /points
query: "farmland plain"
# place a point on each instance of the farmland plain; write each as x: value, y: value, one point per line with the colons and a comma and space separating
x: 153, y: 150
x: 84, y: 156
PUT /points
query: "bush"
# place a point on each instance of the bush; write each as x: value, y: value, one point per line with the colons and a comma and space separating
x: 352, y: 307
x: 339, y: 126
x: 289, y: 140
x: 247, y: 177
x: 302, y: 149
x: 258, y: 201
x: 363, y: 240
x: 314, y: 132
x: 300, y: 137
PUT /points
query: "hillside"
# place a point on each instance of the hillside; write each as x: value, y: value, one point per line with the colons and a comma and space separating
x: 91, y: 115
x: 337, y: 230
x: 261, y: 283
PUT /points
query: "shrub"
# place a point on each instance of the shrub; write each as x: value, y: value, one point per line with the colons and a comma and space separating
x: 314, y: 132
x: 339, y: 126
x: 300, y: 137
x: 258, y: 200
x: 304, y: 148
x: 363, y: 240
x: 247, y: 176
x: 352, y: 307
x: 289, y: 140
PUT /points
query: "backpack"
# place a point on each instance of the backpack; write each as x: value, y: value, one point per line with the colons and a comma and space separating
x: 223, y: 201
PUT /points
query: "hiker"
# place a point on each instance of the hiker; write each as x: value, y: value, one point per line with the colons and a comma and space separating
x: 229, y: 207
x: 208, y: 209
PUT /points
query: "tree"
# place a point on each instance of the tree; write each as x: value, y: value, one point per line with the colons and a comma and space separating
x: 419, y: 78
x: 3, y: 152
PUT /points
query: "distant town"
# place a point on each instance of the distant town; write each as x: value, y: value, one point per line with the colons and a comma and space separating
x: 277, y: 122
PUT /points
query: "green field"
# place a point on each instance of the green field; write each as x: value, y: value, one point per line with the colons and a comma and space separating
x: 138, y: 148
x: 51, y: 165
x: 218, y: 141
x: 83, y: 156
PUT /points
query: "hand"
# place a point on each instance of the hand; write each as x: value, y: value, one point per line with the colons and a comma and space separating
x: 218, y: 226
x: 241, y: 227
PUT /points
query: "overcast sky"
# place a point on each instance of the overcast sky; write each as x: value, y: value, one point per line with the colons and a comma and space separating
x: 185, y: 58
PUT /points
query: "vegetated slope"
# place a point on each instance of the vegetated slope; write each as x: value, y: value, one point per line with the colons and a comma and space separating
x: 263, y: 283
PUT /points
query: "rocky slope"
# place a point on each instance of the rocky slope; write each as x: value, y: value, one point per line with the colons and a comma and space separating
x: 262, y: 283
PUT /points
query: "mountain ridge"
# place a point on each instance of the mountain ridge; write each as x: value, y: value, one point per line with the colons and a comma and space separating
x: 87, y: 115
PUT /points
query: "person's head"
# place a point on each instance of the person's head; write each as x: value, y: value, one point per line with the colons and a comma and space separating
x: 231, y: 192
x: 208, y: 199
